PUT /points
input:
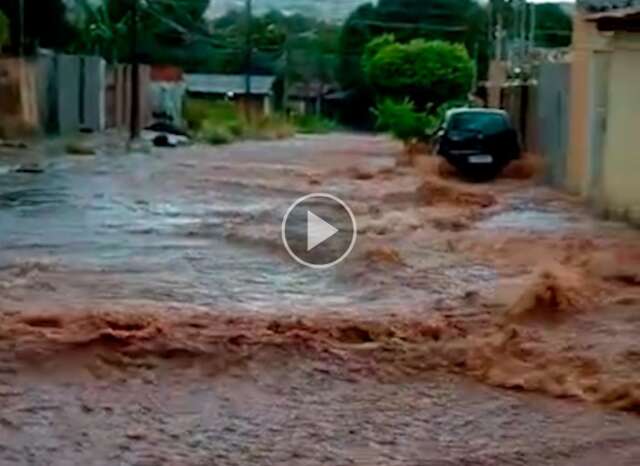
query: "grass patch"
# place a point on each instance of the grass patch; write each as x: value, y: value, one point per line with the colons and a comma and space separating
x: 313, y: 124
x: 222, y: 123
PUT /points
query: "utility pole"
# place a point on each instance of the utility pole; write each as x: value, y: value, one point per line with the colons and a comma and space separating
x: 499, y: 36
x: 134, y: 128
x: 532, y: 27
x: 474, y: 84
x: 21, y: 19
x: 286, y: 82
x: 490, y: 29
x: 248, y: 57
x: 523, y: 31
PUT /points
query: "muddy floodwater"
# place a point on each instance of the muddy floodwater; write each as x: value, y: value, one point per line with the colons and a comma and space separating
x: 150, y: 315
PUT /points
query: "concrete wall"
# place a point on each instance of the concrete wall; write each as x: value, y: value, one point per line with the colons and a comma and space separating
x: 71, y: 93
x: 67, y: 109
x: 621, y: 167
x: 93, y: 95
x: 47, y: 94
x: 553, y: 119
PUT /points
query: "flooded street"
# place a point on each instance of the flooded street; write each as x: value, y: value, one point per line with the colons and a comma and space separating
x: 150, y: 315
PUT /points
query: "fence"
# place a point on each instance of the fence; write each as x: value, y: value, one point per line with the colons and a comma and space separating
x: 59, y: 94
x: 71, y: 93
x: 119, y: 96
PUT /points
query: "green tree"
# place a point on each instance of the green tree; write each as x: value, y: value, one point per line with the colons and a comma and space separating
x: 429, y: 73
x: 5, y: 30
x: 459, y: 21
x: 168, y: 32
x: 45, y: 25
x: 553, y: 26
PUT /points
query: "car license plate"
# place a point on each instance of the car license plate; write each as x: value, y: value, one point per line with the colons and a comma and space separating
x: 480, y: 159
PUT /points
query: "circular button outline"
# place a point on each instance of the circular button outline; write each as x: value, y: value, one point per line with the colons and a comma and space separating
x: 354, y: 236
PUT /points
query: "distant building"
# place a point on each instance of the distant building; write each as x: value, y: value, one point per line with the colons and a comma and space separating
x: 307, y: 98
x: 232, y: 87
x: 167, y: 89
x: 603, y: 160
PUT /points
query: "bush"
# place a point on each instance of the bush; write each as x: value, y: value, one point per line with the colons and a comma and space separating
x: 270, y: 128
x: 223, y: 122
x: 215, y: 134
x: 404, y: 122
x: 199, y: 111
x: 313, y: 124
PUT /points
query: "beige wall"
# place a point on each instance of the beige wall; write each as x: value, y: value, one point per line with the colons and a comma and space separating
x: 18, y: 98
x: 586, y: 41
x: 497, y: 78
x: 621, y: 168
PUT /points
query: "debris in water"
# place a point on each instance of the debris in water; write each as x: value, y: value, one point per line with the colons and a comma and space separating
x: 384, y: 255
x: 30, y: 168
x: 80, y: 148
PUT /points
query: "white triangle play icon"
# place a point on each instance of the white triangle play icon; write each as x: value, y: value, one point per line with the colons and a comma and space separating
x: 318, y: 231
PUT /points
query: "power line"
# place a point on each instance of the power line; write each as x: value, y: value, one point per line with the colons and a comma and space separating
x: 400, y: 25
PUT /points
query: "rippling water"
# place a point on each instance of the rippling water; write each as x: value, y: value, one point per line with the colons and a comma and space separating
x: 155, y: 228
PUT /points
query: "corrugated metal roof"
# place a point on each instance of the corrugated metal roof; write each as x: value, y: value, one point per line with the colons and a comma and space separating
x: 597, y: 6
x: 225, y: 83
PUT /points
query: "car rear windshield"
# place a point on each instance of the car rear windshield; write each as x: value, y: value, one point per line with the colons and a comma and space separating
x: 486, y: 123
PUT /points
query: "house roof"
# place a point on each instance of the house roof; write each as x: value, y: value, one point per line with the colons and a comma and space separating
x: 313, y: 89
x: 226, y: 83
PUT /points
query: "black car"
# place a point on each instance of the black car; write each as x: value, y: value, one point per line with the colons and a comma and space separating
x: 479, y: 143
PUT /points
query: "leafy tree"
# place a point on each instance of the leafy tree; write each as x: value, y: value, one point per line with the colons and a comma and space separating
x: 428, y: 73
x: 374, y: 47
x: 460, y: 21
x: 45, y: 24
x: 5, y: 30
x: 168, y: 32
x: 357, y: 32
x: 553, y: 26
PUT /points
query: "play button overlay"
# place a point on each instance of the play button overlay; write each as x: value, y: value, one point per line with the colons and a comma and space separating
x: 319, y: 231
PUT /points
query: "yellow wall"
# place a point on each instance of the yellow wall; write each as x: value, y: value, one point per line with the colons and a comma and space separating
x: 586, y: 40
x: 621, y: 168
x: 579, y: 100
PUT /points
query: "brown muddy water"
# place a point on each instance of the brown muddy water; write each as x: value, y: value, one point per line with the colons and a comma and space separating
x: 149, y: 315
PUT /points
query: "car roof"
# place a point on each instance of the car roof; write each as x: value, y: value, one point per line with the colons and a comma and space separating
x: 495, y: 111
